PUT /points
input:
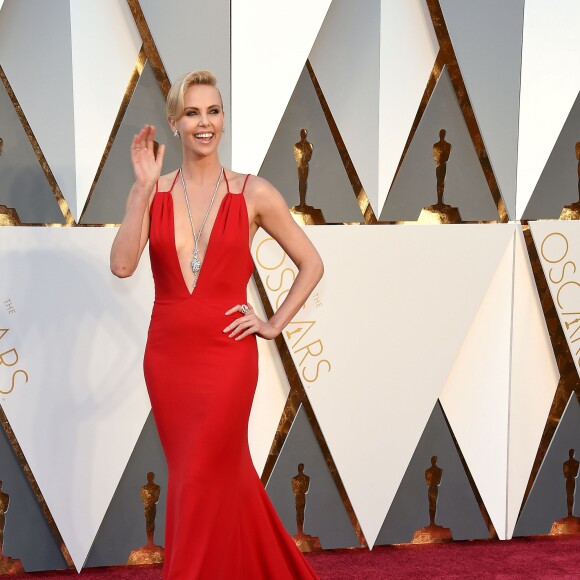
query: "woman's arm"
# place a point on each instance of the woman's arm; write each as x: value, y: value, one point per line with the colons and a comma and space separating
x: 272, y: 214
x: 134, y: 231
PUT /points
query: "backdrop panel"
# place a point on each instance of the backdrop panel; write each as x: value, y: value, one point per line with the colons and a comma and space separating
x: 359, y: 363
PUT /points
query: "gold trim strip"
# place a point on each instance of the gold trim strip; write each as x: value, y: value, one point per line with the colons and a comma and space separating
x: 450, y: 60
x: 150, y: 47
x: 129, y: 91
x: 569, y: 381
x: 333, y: 470
x: 287, y: 418
x: 34, y: 486
x: 359, y: 191
x: 297, y: 396
x: 62, y: 204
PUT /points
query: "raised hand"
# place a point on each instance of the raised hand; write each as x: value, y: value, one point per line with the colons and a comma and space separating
x: 146, y: 166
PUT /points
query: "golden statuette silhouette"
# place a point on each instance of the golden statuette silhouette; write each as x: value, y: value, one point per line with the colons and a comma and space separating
x: 432, y: 532
x: 300, y: 486
x: 572, y: 211
x: 570, y: 524
x: 303, y: 213
x: 440, y: 213
x: 7, y: 565
x: 150, y: 553
x: 9, y: 216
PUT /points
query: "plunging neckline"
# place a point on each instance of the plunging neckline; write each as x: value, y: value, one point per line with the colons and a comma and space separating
x: 209, y: 240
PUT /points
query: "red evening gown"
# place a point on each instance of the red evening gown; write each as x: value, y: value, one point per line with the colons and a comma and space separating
x: 220, y: 522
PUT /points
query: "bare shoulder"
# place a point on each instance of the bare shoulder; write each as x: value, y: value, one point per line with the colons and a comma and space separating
x: 166, y: 181
x: 260, y: 190
x: 236, y: 180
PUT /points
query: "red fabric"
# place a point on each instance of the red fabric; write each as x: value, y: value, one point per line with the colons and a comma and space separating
x: 220, y: 522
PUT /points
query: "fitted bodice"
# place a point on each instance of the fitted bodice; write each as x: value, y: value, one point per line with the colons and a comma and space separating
x: 227, y: 265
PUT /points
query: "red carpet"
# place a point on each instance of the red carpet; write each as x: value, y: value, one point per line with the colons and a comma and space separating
x: 524, y: 558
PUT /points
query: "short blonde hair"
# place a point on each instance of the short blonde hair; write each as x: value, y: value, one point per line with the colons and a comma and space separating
x: 174, y: 105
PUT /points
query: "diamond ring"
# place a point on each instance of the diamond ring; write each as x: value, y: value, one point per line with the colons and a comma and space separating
x: 245, y: 309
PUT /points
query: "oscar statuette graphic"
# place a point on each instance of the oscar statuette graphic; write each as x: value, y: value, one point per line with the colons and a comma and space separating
x: 572, y: 211
x: 150, y: 553
x: 570, y: 524
x: 7, y: 565
x: 440, y: 213
x: 300, y: 485
x: 303, y: 213
x: 9, y: 216
x: 432, y: 532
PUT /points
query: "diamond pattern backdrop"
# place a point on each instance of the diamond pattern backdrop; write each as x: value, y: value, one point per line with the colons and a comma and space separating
x: 459, y: 341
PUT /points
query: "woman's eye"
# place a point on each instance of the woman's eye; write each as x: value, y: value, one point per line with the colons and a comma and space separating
x: 191, y: 113
x: 214, y: 111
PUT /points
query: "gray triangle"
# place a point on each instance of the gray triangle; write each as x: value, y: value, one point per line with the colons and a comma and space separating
x: 325, y: 515
x: 27, y: 535
x: 36, y: 55
x: 329, y: 188
x: 23, y: 185
x: 487, y: 39
x: 147, y: 106
x: 465, y: 184
x: 558, y: 184
x: 175, y: 24
x: 123, y: 527
x: 457, y: 507
x: 547, y: 500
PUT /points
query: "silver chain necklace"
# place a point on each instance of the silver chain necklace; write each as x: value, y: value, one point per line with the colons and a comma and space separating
x: 195, y: 263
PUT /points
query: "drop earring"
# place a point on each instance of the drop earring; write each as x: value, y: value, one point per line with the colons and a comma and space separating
x: 175, y: 133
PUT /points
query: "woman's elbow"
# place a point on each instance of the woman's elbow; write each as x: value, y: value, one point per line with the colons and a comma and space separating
x: 319, y: 268
x: 121, y: 270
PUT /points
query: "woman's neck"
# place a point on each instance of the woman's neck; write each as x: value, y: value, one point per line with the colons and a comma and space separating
x: 200, y: 170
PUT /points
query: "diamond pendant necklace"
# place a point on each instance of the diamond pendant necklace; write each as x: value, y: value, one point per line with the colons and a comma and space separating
x: 195, y: 263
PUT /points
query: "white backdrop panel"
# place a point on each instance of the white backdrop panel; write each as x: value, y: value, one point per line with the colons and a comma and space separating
x: 374, y: 345
x: 534, y: 379
x: 549, y: 86
x: 270, y: 44
x: 79, y: 333
x: 476, y: 394
x: 558, y: 245
x: 406, y: 29
x: 105, y: 45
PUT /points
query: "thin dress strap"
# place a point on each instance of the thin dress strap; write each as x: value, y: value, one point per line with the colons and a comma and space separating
x: 174, y: 180
x: 245, y: 181
x: 227, y: 182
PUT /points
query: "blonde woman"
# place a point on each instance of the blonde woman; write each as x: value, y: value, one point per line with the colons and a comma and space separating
x: 201, y: 361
